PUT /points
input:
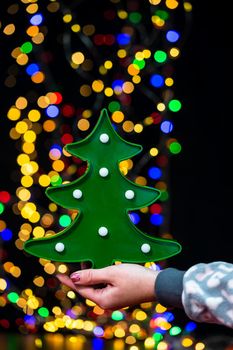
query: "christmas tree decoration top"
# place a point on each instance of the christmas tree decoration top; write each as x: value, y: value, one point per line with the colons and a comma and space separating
x: 102, y: 232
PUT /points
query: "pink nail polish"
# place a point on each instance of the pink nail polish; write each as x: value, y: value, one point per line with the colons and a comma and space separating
x: 75, y: 277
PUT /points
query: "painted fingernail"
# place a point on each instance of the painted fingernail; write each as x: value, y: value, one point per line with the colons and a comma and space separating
x: 75, y: 277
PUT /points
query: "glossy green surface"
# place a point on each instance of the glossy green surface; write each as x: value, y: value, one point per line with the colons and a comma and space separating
x: 102, y: 204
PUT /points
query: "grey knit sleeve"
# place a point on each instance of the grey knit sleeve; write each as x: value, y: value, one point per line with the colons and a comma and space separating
x: 169, y: 287
x: 208, y: 293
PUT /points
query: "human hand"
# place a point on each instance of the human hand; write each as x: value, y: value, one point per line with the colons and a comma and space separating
x: 121, y: 285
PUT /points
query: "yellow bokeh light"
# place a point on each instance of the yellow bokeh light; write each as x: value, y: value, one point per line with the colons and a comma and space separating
x: 9, y: 29
x: 77, y: 57
x: 21, y: 102
x: 23, y: 194
x: 121, y: 53
x: 136, y: 79
x: 119, y: 333
x: 14, y: 135
x: 28, y: 147
x: 108, y: 64
x: 32, y: 302
x: 49, y: 125
x: 149, y: 343
x: 38, y: 77
x: 49, y: 268
x: 108, y: 92
x: 52, y: 207
x: 27, y: 181
x: 85, y: 90
x: 89, y: 29
x: 22, y: 59
x: 118, y: 116
x: 75, y: 28
x: 34, y: 115
x: 67, y: 18
x: 87, y: 113
x: 21, y: 127
x: 62, y: 268
x: 146, y: 53
x: 174, y: 52
x: 154, y: 151
x: 3, y: 284
x: 128, y: 126
x: 29, y: 136
x: 43, y: 101
x: 188, y: 6
x: 58, y: 165
x: 161, y: 107
x: 138, y: 128
x: 172, y: 4
x: 169, y: 82
x: 141, y: 180
x: 187, y: 342
x: 162, y: 346
x: 122, y: 14
x: 97, y: 85
x: 128, y: 87
x: 23, y: 159
x: 38, y: 232
x: 2, y: 225
x: 83, y: 124
x: 32, y: 8
x: 33, y: 31
x: 103, y: 70
x: 44, y: 180
x: 15, y: 271
x: 159, y: 22
x: 155, y: 2
x: 133, y: 69
x: 13, y: 113
x: 199, y: 346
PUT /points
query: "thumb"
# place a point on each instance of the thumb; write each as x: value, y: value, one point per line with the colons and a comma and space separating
x: 91, y: 276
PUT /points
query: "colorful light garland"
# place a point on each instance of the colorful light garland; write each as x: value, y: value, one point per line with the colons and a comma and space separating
x: 70, y: 63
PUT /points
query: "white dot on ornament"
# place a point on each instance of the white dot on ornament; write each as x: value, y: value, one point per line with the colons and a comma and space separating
x: 103, y: 231
x: 77, y: 194
x: 59, y: 247
x: 129, y: 194
x: 103, y: 172
x: 145, y: 248
x: 104, y: 138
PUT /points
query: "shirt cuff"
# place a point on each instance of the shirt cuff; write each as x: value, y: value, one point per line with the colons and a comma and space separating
x: 169, y: 287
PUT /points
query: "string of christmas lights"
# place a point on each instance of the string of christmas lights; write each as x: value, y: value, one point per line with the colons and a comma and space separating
x: 65, y: 62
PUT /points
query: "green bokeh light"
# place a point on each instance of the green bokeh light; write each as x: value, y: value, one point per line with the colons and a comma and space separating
x: 139, y: 63
x: 175, y: 330
x: 26, y: 47
x: 135, y: 17
x: 174, y: 105
x: 117, y: 315
x: 43, y: 312
x: 1, y: 208
x: 13, y: 297
x: 175, y: 147
x: 160, y: 56
x: 65, y: 220
x: 114, y: 106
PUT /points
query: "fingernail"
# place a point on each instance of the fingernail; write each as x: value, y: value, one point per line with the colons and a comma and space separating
x: 75, y: 277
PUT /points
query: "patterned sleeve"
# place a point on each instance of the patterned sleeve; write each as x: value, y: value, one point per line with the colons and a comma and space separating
x: 208, y: 293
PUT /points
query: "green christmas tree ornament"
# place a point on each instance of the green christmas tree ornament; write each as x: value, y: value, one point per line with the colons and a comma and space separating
x: 102, y: 231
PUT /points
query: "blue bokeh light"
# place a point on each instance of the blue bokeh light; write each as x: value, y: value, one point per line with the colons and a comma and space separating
x: 157, y: 80
x: 172, y: 36
x: 166, y: 126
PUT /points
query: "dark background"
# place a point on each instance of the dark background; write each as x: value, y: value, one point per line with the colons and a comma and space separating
x: 201, y: 175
